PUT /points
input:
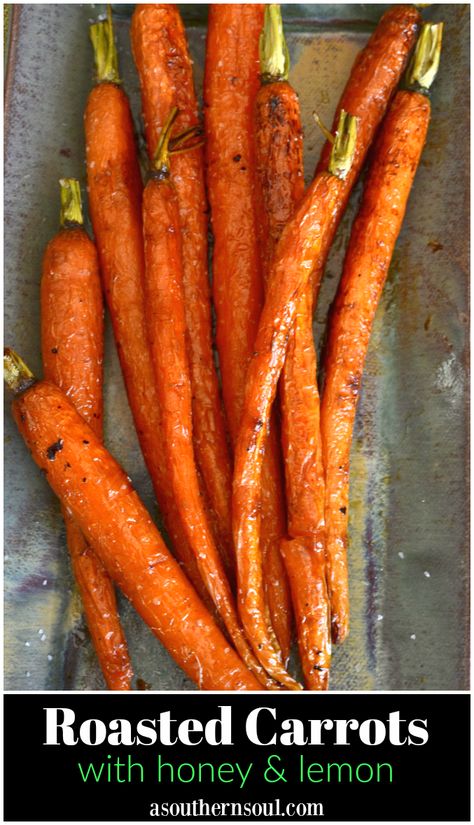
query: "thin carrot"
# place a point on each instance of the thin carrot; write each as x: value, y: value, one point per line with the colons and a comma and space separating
x: 95, y: 490
x: 166, y: 323
x: 373, y: 80
x: 374, y: 234
x: 72, y: 339
x: 281, y: 186
x: 296, y: 252
x: 231, y: 84
x: 165, y: 70
x: 115, y: 196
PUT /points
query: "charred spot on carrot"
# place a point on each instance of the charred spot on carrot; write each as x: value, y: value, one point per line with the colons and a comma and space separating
x: 55, y: 448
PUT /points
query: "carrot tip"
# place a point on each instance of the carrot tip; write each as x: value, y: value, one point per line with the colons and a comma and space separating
x: 18, y: 377
x: 424, y: 63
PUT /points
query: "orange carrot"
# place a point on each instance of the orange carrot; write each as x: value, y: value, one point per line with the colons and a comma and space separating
x: 166, y: 324
x: 165, y: 70
x: 230, y: 87
x: 72, y: 338
x: 115, y: 196
x: 281, y: 186
x: 374, y: 234
x: 373, y: 80
x: 95, y: 490
x: 297, y: 251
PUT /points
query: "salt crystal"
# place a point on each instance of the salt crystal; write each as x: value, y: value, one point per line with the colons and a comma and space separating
x: 45, y: 582
x: 27, y: 644
x: 43, y: 637
x: 427, y: 574
x: 379, y: 617
x: 413, y: 636
x: 401, y: 555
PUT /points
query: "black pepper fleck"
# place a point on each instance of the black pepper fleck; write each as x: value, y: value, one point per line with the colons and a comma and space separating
x: 54, y: 448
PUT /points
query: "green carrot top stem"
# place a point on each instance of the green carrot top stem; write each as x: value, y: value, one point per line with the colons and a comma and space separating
x: 274, y: 56
x: 424, y: 63
x: 105, y: 50
x: 161, y: 158
x: 168, y: 146
x: 18, y: 377
x: 71, y: 204
x: 343, y: 145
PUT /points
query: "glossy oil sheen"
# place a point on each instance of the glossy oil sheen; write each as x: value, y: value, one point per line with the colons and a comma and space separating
x: 409, y: 508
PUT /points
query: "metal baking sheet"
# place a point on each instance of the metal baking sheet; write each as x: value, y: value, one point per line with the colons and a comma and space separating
x: 409, y: 506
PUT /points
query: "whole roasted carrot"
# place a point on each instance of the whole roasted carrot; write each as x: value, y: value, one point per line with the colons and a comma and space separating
x: 296, y: 252
x: 278, y: 138
x: 115, y: 203
x: 165, y: 70
x: 98, y: 494
x: 231, y: 84
x: 374, y: 234
x: 166, y: 323
x: 372, y: 82
x: 72, y: 339
x: 279, y: 151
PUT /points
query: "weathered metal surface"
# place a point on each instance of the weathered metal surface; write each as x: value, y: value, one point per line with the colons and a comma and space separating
x: 409, y: 509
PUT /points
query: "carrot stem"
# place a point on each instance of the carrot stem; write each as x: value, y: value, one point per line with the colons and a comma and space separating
x: 424, y: 64
x: 18, y: 377
x: 71, y: 204
x: 274, y: 55
x: 161, y: 158
x: 105, y: 50
x: 344, y: 145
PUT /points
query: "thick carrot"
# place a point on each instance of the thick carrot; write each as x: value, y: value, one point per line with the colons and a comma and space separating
x: 96, y: 491
x: 373, y: 80
x: 279, y: 154
x: 166, y: 323
x: 296, y: 253
x: 72, y: 339
x: 231, y: 84
x: 115, y: 203
x: 165, y: 70
x: 374, y: 234
x: 278, y: 139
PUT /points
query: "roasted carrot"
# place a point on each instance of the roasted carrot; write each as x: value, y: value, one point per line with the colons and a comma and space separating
x: 231, y: 84
x: 374, y: 234
x: 373, y: 80
x: 166, y: 323
x: 165, y: 70
x: 115, y: 203
x: 98, y: 494
x: 295, y: 254
x: 280, y: 187
x: 72, y: 340
x: 278, y: 138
